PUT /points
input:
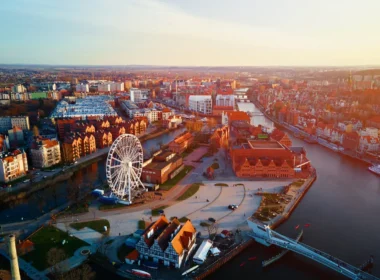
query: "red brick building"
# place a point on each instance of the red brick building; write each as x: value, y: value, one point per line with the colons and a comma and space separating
x: 181, y: 143
x: 162, y: 167
x: 351, y: 141
x: 281, y: 137
x: 257, y: 158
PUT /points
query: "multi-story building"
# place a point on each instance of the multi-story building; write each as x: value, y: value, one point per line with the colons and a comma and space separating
x: 7, y: 123
x: 77, y: 145
x: 45, y: 153
x: 181, y: 143
x: 162, y: 167
x: 201, y: 103
x: 13, y: 165
x: 19, y: 88
x: 82, y: 88
x: 16, y: 137
x: 168, y: 242
x: 138, y: 95
x: 263, y: 158
x: 225, y: 100
x: 368, y: 144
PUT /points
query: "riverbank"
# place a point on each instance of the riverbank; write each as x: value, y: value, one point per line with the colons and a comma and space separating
x: 289, y: 128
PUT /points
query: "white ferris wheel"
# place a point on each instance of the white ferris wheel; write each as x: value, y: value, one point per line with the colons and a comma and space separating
x: 124, y: 166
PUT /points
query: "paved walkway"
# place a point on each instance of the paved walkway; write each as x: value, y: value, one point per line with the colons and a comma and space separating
x: 26, y: 267
x: 86, y: 234
x: 76, y: 260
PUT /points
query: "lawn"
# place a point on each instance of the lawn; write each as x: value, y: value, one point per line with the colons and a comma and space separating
x: 97, y: 225
x: 156, y: 211
x: 47, y: 238
x: 174, y: 181
x: 111, y: 206
x: 221, y: 185
x: 190, y: 191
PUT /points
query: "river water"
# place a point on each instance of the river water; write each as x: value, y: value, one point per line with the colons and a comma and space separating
x: 343, y: 208
x: 49, y: 198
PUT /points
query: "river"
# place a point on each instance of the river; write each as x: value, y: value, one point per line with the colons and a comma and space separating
x: 49, y: 198
x: 343, y: 208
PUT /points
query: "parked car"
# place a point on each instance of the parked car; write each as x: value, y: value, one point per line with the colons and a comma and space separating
x: 212, y: 220
x: 231, y: 207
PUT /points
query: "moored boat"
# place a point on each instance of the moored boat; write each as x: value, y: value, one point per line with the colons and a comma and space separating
x: 375, y: 169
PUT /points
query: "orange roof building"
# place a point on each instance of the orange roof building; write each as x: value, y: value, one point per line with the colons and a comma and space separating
x: 181, y: 143
x: 263, y: 158
x: 167, y: 242
x: 45, y: 152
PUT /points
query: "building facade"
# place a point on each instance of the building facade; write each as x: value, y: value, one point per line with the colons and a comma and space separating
x: 13, y: 165
x: 45, y: 153
x: 7, y: 123
x: 201, y: 104
x: 167, y: 242
x: 181, y: 143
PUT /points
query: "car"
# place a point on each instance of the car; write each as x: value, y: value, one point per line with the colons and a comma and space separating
x: 212, y: 220
x: 235, y: 206
x: 45, y: 177
x: 231, y: 207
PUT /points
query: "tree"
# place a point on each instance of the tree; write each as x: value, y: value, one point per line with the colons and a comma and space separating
x: 212, y: 230
x: 55, y: 256
x: 73, y: 193
x: 83, y: 272
x: 36, y: 131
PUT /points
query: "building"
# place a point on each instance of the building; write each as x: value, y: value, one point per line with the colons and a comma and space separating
x: 13, y: 165
x: 91, y: 106
x: 162, y: 167
x: 111, y: 87
x: 45, y: 153
x: 103, y: 139
x: 373, y: 122
x: 19, y: 88
x: 77, y: 145
x: 166, y: 113
x: 172, y: 122
x: 228, y: 117
x: 201, y: 104
x: 169, y: 243
x: 368, y: 144
x: 281, y: 137
x: 181, y: 143
x: 263, y: 158
x: 82, y: 88
x: 7, y: 123
x: 16, y: 137
x: 351, y: 141
x: 138, y: 95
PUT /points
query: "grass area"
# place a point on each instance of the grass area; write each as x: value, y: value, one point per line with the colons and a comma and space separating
x: 221, y: 185
x: 156, y: 211
x: 111, y: 206
x: 47, y: 238
x: 141, y: 224
x: 215, y: 165
x: 97, y: 225
x: 123, y: 251
x: 298, y: 183
x: 190, y: 191
x: 183, y: 219
x: 204, y: 224
x: 174, y: 181
x: 271, y: 198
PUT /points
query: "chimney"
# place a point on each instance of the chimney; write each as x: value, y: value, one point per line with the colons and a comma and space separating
x: 13, y: 256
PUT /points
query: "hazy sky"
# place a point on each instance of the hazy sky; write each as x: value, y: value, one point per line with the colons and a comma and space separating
x: 190, y: 32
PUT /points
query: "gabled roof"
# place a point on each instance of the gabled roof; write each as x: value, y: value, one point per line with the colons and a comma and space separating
x: 182, y: 238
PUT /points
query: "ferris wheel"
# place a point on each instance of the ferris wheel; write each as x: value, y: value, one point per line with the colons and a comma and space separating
x: 124, y: 168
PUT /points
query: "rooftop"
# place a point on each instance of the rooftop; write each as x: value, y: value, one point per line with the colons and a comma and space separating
x: 254, y: 144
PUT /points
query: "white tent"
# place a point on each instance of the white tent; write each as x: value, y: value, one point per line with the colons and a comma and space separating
x: 215, y: 251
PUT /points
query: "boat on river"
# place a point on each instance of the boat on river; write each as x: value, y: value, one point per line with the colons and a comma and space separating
x: 375, y: 169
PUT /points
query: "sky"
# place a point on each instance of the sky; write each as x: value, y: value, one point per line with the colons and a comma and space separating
x: 190, y: 32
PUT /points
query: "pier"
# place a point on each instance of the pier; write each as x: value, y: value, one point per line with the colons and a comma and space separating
x: 264, y: 235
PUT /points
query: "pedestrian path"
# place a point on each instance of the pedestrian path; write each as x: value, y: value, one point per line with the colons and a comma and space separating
x: 30, y: 271
x: 86, y: 234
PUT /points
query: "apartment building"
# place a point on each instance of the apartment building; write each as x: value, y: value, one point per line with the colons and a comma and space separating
x: 13, y: 165
x: 7, y: 123
x: 82, y: 88
x: 201, y: 103
x: 45, y: 153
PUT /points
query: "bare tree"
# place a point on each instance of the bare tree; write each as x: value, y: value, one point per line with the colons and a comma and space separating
x: 212, y: 230
x: 83, y: 272
x: 55, y: 256
x: 73, y: 193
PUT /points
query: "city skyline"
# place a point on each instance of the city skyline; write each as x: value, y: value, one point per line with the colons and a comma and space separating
x: 183, y: 33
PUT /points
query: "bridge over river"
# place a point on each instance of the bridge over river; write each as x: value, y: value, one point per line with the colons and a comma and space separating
x: 264, y: 235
